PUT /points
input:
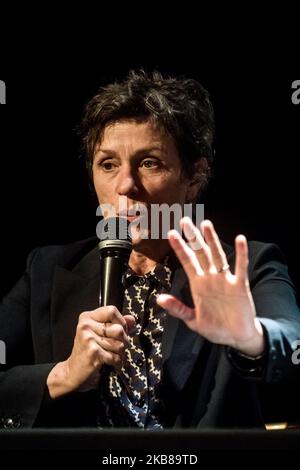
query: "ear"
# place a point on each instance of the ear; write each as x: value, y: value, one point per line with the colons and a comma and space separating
x: 199, y: 179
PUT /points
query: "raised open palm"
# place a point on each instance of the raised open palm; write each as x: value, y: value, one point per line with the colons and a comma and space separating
x: 224, y: 310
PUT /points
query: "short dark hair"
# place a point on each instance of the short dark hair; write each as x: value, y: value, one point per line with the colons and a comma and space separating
x: 180, y: 106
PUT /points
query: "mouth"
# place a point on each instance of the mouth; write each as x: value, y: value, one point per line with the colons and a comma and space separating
x: 131, y: 217
x: 133, y: 212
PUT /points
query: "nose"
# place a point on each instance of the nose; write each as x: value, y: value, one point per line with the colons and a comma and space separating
x: 127, y: 183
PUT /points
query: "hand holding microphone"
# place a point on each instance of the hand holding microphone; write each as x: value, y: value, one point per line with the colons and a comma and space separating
x: 101, y: 334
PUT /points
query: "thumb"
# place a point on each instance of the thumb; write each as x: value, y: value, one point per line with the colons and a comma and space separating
x: 130, y: 324
x: 175, y: 307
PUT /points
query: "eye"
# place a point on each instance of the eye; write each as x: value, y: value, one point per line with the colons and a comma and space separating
x: 106, y: 165
x: 150, y: 163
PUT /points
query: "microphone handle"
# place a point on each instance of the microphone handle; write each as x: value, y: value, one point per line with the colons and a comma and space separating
x: 112, y: 284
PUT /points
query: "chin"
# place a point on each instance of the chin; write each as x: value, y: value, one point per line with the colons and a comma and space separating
x: 139, y: 240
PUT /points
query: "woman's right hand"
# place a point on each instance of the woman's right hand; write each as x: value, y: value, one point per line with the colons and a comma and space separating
x: 101, y: 338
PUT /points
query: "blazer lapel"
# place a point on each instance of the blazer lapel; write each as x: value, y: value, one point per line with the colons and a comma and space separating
x: 74, y: 291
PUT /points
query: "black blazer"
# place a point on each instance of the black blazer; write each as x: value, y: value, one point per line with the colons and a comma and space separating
x: 200, y: 387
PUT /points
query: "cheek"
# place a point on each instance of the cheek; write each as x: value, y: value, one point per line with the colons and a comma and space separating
x: 99, y: 189
x: 170, y: 192
x: 161, y: 182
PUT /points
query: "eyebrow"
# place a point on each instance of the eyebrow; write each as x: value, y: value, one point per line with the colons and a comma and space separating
x: 139, y: 152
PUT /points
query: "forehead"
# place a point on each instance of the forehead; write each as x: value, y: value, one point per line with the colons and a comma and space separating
x: 135, y: 134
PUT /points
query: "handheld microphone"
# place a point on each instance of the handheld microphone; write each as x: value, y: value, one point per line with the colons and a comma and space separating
x: 115, y: 247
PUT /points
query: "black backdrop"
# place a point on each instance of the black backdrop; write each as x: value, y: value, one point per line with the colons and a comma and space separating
x: 52, y: 63
x: 44, y: 194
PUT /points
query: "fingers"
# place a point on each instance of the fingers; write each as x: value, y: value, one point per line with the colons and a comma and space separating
x: 242, y: 260
x: 111, y: 345
x: 109, y: 313
x: 131, y: 324
x: 218, y: 256
x: 201, y: 254
x: 175, y: 307
x: 107, y: 330
x: 197, y: 243
x: 107, y: 321
x: 185, y: 254
x: 108, y: 316
x: 110, y: 337
x: 103, y: 342
x: 98, y: 355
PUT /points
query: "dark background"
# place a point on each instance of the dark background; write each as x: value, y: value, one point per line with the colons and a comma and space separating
x: 44, y: 193
x: 53, y: 63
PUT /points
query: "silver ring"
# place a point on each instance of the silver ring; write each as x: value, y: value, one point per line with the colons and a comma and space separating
x: 224, y: 268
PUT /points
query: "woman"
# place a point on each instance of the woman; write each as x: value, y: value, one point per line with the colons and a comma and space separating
x: 203, y: 326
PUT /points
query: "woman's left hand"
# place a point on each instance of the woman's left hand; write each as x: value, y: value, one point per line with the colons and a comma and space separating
x: 224, y: 310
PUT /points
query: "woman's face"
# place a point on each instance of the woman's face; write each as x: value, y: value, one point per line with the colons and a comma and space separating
x: 137, y: 165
